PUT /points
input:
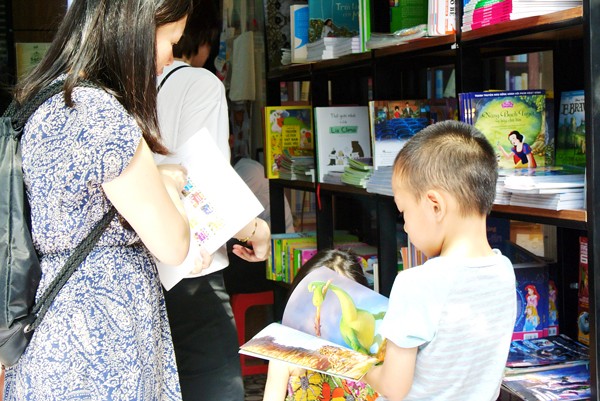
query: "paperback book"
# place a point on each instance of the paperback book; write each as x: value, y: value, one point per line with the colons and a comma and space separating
x: 570, y: 136
x: 330, y: 325
x: 342, y: 134
x: 333, y: 18
x: 393, y: 123
x: 542, y: 353
x: 515, y: 124
x: 286, y: 128
x: 298, y: 32
x: 211, y: 202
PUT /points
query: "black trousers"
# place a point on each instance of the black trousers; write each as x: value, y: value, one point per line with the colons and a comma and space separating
x: 205, y: 339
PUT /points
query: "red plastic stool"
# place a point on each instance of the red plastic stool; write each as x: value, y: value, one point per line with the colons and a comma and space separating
x: 240, y: 304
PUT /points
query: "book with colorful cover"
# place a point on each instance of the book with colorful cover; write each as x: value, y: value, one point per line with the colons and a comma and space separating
x: 562, y: 382
x: 286, y: 127
x: 542, y: 352
x: 330, y: 325
x: 333, y: 18
x: 342, y: 133
x: 570, y: 135
x: 514, y: 122
x: 393, y: 123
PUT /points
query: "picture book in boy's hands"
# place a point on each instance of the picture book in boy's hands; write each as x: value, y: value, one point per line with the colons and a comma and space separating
x: 318, y: 330
x: 211, y: 201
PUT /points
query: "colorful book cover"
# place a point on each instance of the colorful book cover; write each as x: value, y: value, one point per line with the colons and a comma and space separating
x: 275, y: 261
x: 286, y: 127
x: 570, y: 382
x: 515, y: 124
x: 298, y: 32
x: 583, y: 294
x: 330, y: 325
x: 532, y: 302
x: 342, y: 133
x: 545, y: 351
x: 333, y: 18
x: 570, y: 135
x: 393, y: 123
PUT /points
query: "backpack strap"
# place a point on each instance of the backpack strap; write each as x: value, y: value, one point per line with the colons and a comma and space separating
x: 20, y: 114
x: 168, y: 75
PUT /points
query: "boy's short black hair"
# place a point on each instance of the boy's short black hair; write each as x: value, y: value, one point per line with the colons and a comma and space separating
x: 452, y: 156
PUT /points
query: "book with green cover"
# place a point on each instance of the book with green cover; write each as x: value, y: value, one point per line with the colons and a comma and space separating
x: 515, y: 124
x: 570, y: 135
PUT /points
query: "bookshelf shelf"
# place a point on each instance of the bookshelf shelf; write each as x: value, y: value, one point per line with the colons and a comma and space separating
x: 400, y: 71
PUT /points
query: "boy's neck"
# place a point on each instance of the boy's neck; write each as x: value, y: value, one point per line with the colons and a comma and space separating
x: 466, y: 237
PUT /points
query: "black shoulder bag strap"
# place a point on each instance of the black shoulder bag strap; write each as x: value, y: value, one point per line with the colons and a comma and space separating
x: 19, y: 116
x: 168, y: 75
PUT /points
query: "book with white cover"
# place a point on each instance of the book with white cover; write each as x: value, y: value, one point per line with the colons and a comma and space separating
x: 342, y: 133
x: 217, y: 205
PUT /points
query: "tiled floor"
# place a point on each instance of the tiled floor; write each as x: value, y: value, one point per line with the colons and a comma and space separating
x: 254, y: 386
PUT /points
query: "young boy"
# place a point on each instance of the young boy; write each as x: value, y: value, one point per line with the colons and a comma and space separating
x: 450, y: 321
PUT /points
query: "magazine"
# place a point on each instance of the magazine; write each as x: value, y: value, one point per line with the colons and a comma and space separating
x: 318, y: 327
x: 570, y: 382
x: 211, y: 202
x: 541, y: 352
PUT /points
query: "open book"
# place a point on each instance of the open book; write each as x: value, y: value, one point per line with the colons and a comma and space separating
x: 330, y: 325
x: 217, y: 201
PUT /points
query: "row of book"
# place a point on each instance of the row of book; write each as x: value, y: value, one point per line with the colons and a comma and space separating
x: 481, y: 13
x: 539, y: 166
x: 325, y: 29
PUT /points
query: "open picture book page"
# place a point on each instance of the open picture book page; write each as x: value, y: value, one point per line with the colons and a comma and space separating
x: 217, y: 201
x: 330, y: 324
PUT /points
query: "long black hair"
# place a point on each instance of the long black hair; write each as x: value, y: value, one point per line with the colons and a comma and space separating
x: 111, y: 43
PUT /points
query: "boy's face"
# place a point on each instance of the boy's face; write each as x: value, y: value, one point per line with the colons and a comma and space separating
x: 419, y: 220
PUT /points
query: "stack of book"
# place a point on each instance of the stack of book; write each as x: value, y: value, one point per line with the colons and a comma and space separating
x: 328, y: 48
x: 480, y: 13
x: 554, y: 188
x: 297, y: 165
x: 551, y: 368
x: 357, y: 172
x: 380, y: 181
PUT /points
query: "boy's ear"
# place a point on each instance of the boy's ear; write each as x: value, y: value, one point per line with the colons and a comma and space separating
x: 437, y: 203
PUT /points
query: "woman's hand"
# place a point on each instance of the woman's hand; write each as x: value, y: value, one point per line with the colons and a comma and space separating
x: 173, y: 174
x: 260, y: 242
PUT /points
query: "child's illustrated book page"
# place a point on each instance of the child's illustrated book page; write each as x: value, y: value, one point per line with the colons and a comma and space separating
x: 217, y: 201
x: 328, y: 305
x: 279, y: 342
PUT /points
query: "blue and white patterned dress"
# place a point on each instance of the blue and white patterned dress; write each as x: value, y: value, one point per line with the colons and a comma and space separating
x: 106, y: 336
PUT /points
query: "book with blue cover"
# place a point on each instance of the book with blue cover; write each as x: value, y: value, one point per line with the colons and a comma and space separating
x: 333, y: 18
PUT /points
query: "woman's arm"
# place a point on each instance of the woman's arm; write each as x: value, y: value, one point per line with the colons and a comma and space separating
x: 150, y: 203
x: 394, y: 377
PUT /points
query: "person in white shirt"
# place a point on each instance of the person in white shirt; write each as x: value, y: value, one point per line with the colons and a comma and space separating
x: 450, y: 321
x: 200, y: 315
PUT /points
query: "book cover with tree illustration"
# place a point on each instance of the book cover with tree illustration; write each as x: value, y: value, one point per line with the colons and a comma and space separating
x: 570, y: 136
x: 330, y: 325
x: 515, y: 124
x: 286, y: 128
x: 333, y: 18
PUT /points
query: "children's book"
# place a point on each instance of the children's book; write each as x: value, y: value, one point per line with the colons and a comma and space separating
x: 542, y: 352
x: 342, y: 134
x: 286, y: 128
x: 583, y: 294
x: 393, y: 123
x: 333, y: 18
x: 570, y: 136
x: 514, y: 123
x: 211, y: 201
x: 330, y: 325
x: 298, y: 32
x: 565, y: 382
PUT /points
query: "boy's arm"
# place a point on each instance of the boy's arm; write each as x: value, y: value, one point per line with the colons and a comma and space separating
x: 277, y: 381
x: 394, y: 377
